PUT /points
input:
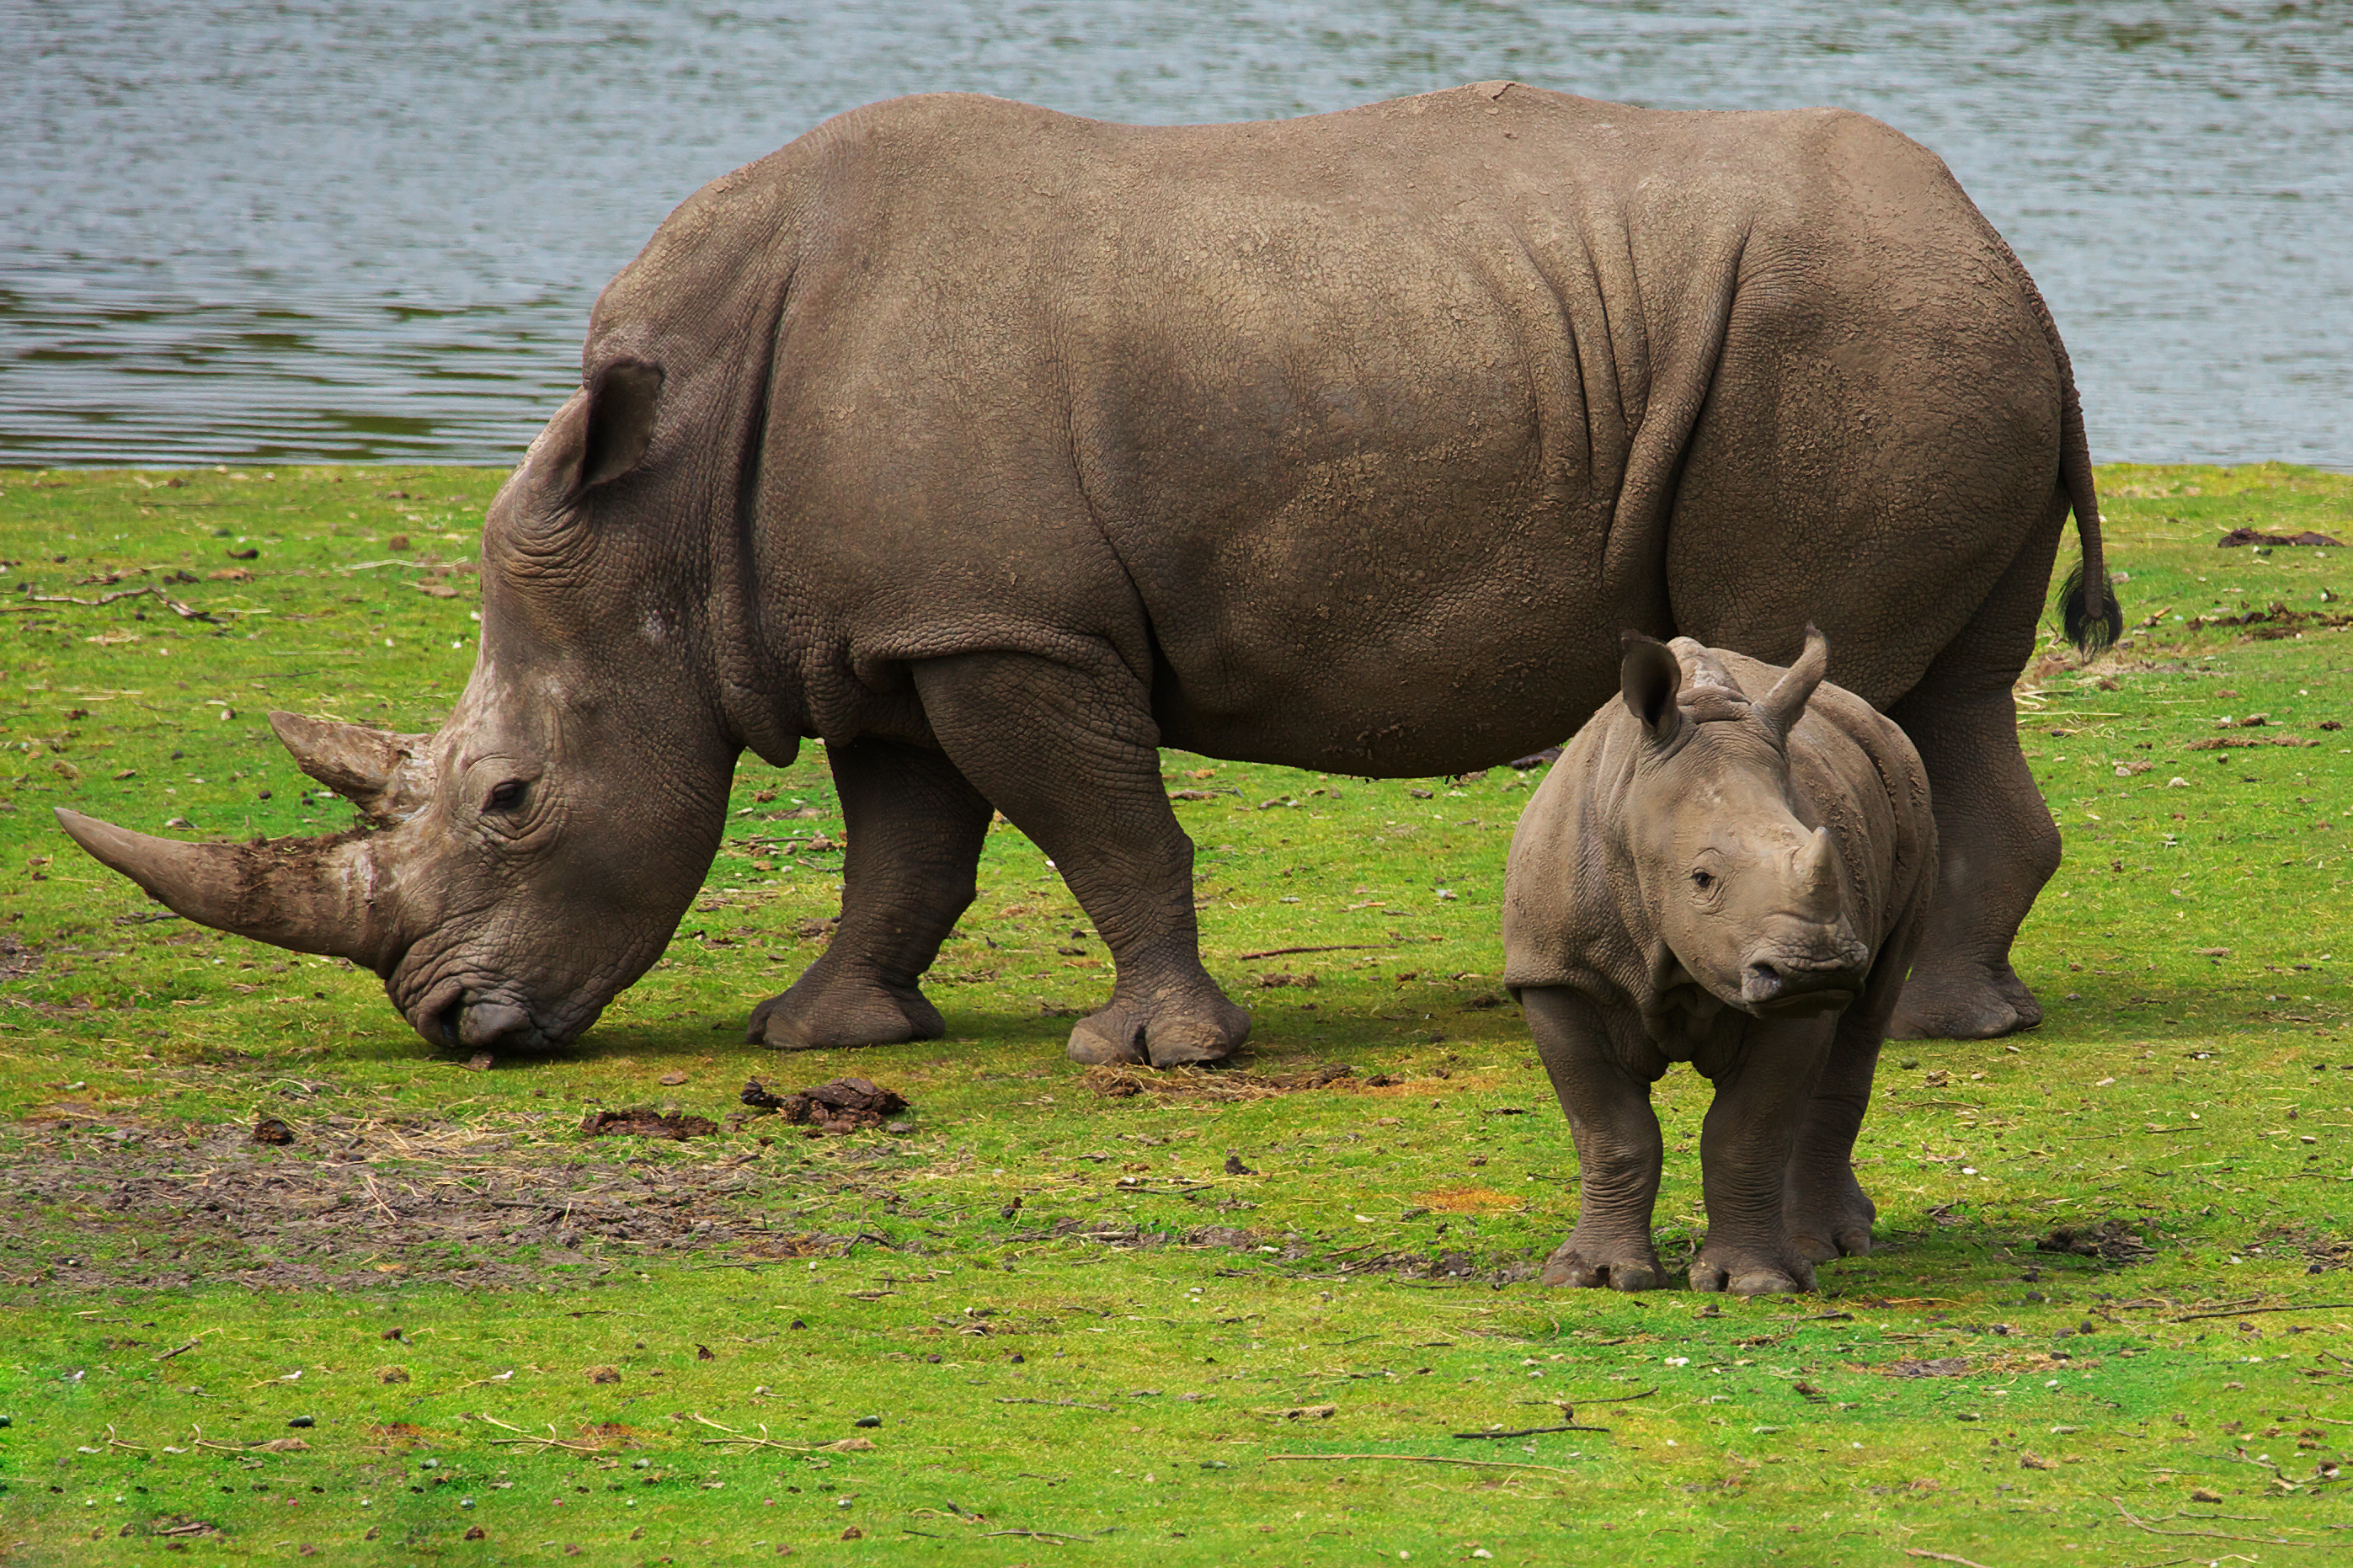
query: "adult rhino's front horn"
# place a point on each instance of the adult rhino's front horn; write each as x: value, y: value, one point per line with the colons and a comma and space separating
x: 326, y: 895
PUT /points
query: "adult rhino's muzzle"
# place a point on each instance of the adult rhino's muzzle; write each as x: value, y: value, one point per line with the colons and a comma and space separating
x: 449, y: 1015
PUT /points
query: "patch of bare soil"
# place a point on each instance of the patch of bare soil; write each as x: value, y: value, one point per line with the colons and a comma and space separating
x: 16, y: 960
x: 354, y: 1204
x: 1123, y: 1082
x: 1404, y: 1265
x: 2111, y: 1241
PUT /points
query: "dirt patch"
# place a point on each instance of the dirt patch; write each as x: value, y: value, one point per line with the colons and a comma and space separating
x: 1120, y: 1082
x: 1977, y: 1366
x: 101, y: 1203
x: 844, y: 1105
x: 16, y: 960
x: 1467, y: 1200
x: 2274, y: 620
x: 2111, y: 1241
x: 640, y: 1122
x: 2239, y: 536
x: 2321, y: 1252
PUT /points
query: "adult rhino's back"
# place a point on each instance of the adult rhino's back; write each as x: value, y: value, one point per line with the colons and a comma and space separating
x: 1353, y: 430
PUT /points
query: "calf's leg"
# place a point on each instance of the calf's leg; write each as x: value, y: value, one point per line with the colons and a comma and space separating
x: 1619, y: 1150
x: 914, y: 825
x: 1761, y: 1096
x: 1824, y: 1208
x: 1071, y: 756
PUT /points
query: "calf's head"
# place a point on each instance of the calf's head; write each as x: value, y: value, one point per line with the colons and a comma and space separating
x: 518, y: 868
x: 1750, y: 901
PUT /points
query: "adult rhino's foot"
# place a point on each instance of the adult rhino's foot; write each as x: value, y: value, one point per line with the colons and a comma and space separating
x: 1965, y: 1003
x: 827, y: 1009
x: 1776, y: 1269
x: 1208, y: 1030
x: 1829, y: 1224
x: 1590, y: 1266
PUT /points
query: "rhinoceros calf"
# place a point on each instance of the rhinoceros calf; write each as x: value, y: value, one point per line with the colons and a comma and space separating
x: 999, y: 448
x: 1732, y: 867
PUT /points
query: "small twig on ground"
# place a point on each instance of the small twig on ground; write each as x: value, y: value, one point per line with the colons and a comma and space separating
x: 2250, y: 1311
x: 1035, y: 1535
x: 1075, y: 1404
x: 1522, y: 1432
x: 169, y: 604
x: 1424, y: 1459
x: 1941, y: 1557
x: 2201, y: 1534
x: 762, y: 1441
x: 1329, y: 947
x: 183, y: 1350
x: 550, y: 1441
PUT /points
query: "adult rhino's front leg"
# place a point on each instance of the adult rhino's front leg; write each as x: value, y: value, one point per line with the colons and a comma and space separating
x: 915, y: 827
x: 1071, y: 756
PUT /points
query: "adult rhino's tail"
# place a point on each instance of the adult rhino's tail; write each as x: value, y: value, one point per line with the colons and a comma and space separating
x: 2087, y: 601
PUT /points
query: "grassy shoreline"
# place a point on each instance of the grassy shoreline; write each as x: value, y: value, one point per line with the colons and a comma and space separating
x: 2109, y: 1277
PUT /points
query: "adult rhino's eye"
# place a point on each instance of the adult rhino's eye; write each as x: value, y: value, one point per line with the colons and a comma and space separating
x: 507, y: 796
x: 1702, y: 881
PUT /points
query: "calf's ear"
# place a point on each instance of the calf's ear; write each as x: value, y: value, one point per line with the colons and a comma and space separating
x: 1786, y: 700
x: 1647, y: 678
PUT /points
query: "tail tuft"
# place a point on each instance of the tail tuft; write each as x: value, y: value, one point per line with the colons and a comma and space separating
x: 2090, y: 633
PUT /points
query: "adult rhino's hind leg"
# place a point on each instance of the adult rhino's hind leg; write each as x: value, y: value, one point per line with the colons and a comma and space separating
x: 915, y: 827
x: 1073, y: 757
x: 1995, y: 844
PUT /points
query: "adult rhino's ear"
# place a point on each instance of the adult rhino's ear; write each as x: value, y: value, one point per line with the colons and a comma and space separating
x: 622, y: 401
x: 1787, y: 701
x: 1648, y: 676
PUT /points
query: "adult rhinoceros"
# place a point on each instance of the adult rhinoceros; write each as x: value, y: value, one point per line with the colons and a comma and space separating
x: 999, y: 448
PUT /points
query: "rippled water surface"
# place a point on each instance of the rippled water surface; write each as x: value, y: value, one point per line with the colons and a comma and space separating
x: 335, y: 231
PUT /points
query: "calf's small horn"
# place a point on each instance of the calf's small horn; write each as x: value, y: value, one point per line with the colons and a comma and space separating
x: 1818, y: 875
x: 1788, y: 700
x: 311, y: 895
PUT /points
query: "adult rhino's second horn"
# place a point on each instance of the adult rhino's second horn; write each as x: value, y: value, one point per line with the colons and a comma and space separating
x: 313, y: 895
x: 385, y: 775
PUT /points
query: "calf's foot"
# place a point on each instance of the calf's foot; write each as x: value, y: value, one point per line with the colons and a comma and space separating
x: 828, y: 1008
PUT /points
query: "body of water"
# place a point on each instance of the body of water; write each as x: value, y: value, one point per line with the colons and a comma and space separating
x: 329, y: 231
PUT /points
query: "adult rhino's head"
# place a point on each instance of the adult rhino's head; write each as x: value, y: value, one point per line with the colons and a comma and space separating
x: 1751, y: 902
x: 518, y: 868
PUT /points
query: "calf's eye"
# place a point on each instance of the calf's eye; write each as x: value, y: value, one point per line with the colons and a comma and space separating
x: 1702, y: 881
x: 508, y: 796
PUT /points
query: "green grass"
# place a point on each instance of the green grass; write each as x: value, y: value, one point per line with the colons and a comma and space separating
x: 1071, y: 1318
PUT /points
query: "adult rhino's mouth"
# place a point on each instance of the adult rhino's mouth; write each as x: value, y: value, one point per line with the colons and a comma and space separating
x: 456, y: 1017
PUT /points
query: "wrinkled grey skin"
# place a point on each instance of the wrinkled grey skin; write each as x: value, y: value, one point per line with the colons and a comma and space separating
x: 1000, y: 449
x: 1731, y: 866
